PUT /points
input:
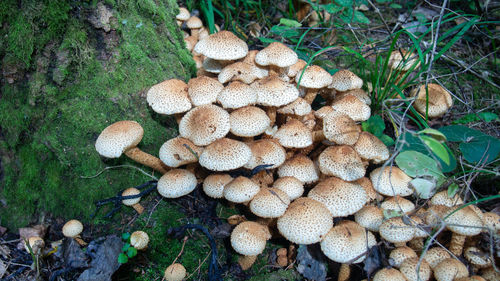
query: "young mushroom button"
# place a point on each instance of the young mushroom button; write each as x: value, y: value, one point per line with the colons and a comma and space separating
x: 139, y: 240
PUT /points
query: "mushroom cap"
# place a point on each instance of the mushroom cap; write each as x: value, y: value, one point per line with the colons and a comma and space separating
x: 204, y: 124
x: 277, y: 54
x: 225, y: 154
x: 323, y: 112
x: 389, y: 274
x: 296, y: 68
x: 342, y: 198
x: 370, y: 147
x: 344, y: 80
x: 236, y: 95
x: 441, y: 198
x: 118, y: 138
x: 128, y: 192
x: 266, y: 152
x: 396, y: 60
x: 340, y: 128
x: 490, y: 274
x: 241, y: 71
x: 449, y: 270
x: 293, y: 187
x: 391, y: 181
x: 72, y: 228
x: 359, y: 93
x: 370, y: 217
x: 240, y: 190
x: 435, y: 255
x: 463, y: 221
x: 190, y: 42
x: 491, y: 221
x: 294, y: 134
x: 204, y: 90
x: 400, y: 254
x: 139, y: 239
x: 214, y: 184
x: 477, y: 257
x: 175, y: 152
x: 213, y: 66
x: 409, y: 269
x: 439, y: 100
x: 36, y: 244
x: 398, y: 204
x: 175, y: 272
x: 472, y: 278
x: 183, y: 14
x: 248, y: 121
x: 194, y: 22
x: 176, y: 183
x: 367, y: 185
x: 341, y: 161
x: 435, y: 213
x: 223, y: 45
x: 306, y: 221
x: 169, y: 97
x: 272, y: 91
x: 249, y: 238
x: 346, y: 241
x: 314, y: 77
x: 299, y: 107
x: 300, y: 167
x: 395, y: 230
x: 269, y: 203
x: 353, y: 107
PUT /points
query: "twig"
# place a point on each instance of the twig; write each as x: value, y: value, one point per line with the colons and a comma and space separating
x: 119, y: 166
x: 199, y: 266
x: 182, y: 249
x: 434, y: 45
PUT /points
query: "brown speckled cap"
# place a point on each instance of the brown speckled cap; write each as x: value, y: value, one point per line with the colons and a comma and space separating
x: 179, y: 151
x: 314, y: 77
x: 340, y: 128
x: 214, y: 184
x: 248, y: 121
x: 269, y: 203
x: 370, y: 147
x: 236, y: 95
x: 277, y: 54
x: 293, y: 187
x: 204, y: 124
x: 266, y: 152
x: 225, y: 154
x: 344, y: 80
x: 204, y: 90
x: 436, y: 98
x: 341, y: 161
x: 118, y: 137
x: 272, y: 91
x: 169, y: 97
x: 294, y: 134
x: 300, y: 167
x: 353, y: 107
x: 139, y: 239
x: 299, y: 107
x: 240, y: 190
x: 223, y: 45
x: 391, y: 181
x: 176, y: 183
x: 249, y: 238
x: 241, y: 71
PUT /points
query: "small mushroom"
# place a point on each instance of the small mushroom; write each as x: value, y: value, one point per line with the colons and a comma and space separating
x: 175, y: 272
x: 139, y: 240
x: 36, y: 244
x: 134, y: 202
x: 72, y: 229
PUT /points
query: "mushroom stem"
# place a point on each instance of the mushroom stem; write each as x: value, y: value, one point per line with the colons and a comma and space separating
x: 138, y: 208
x: 80, y: 241
x: 318, y: 136
x: 457, y: 244
x: 344, y: 272
x: 271, y: 113
x: 146, y: 159
x: 400, y: 244
x: 310, y: 95
x: 246, y: 262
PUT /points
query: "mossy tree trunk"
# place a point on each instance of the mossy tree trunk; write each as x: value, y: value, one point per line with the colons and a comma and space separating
x: 69, y: 69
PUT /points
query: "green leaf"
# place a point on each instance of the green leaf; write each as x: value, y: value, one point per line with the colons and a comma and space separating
x: 433, y: 133
x: 361, y: 18
x: 424, y: 188
x: 388, y: 141
x: 416, y: 164
x: 290, y: 23
x: 390, y: 213
x: 453, y: 189
x: 122, y: 258
x: 126, y: 236
x: 267, y: 40
x: 437, y: 148
x: 125, y: 247
x: 395, y: 6
x: 374, y: 125
x: 344, y: 3
x: 475, y: 117
x: 131, y: 252
x: 285, y: 31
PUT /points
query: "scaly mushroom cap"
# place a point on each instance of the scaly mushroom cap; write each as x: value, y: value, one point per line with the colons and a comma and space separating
x: 204, y: 90
x: 370, y: 147
x: 175, y: 272
x: 402, y: 62
x: 306, y: 221
x: 314, y: 77
x: 266, y: 152
x: 272, y: 91
x: 370, y: 217
x: 435, y: 213
x: 36, y: 244
x: 468, y: 220
x: 190, y: 42
x: 435, y: 255
x: 222, y: 45
x: 236, y: 95
x: 128, y: 192
x: 359, y: 93
x: 409, y: 269
x: 240, y: 190
x: 367, y: 185
x: 214, y: 184
x: 277, y: 54
x: 293, y: 187
x: 118, y: 137
x: 398, y: 204
x: 441, y: 198
x: 269, y: 203
x: 449, y: 270
x: 391, y: 181
x: 169, y: 97
x: 295, y: 69
x: 389, y: 274
x: 344, y: 80
x: 298, y: 107
x: 491, y: 221
x: 341, y: 161
x: 213, y: 66
x: 395, y: 230
x: 340, y: 128
x: 439, y: 100
x: 194, y: 22
x: 176, y: 183
x: 342, y: 198
x: 294, y: 134
x: 248, y: 121
x: 139, y: 240
x: 241, y: 71
x: 347, y: 241
x: 176, y: 152
x: 300, y: 167
x: 204, y: 124
x: 72, y: 228
x: 183, y: 14
x: 477, y: 257
x: 225, y: 154
x: 400, y: 254
x: 249, y: 238
x: 353, y: 107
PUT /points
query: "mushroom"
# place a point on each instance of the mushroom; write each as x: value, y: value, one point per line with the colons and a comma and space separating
x: 241, y: 71
x: 398, y: 204
x: 248, y: 122
x: 240, y: 190
x: 340, y: 128
x: 222, y: 46
x: 249, y: 238
x: 225, y: 154
x: 36, y: 244
x: 353, y: 107
x: 269, y: 203
x: 236, y: 95
x: 449, y: 270
x: 294, y: 134
x: 139, y: 240
x: 123, y: 137
x: 344, y: 80
x: 176, y: 183
x: 266, y: 152
x: 396, y: 231
x: 300, y: 167
x: 203, y: 90
x: 341, y: 161
x: 442, y: 198
x: 462, y: 222
x: 134, y: 202
x: 370, y: 217
x: 400, y: 254
x: 72, y: 229
x: 204, y: 124
x: 435, y: 255
x: 370, y: 147
x: 435, y: 101
x: 312, y: 79
x: 175, y: 272
x: 246, y: 262
x: 293, y: 187
x: 415, y: 270
x: 391, y: 181
x: 386, y: 274
x: 169, y: 97
x: 278, y: 57
x: 179, y: 151
x: 214, y: 184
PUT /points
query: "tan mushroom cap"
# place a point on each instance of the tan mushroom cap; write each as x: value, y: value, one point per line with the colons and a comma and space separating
x: 437, y: 99
x: 298, y: 107
x: 346, y: 242
x: 222, y: 45
x: 477, y: 257
x: 435, y: 255
x: 341, y: 161
x: 272, y: 91
x: 277, y: 54
x: 340, y: 128
x: 464, y: 221
x: 139, y: 239
x: 473, y: 278
x: 344, y: 80
x: 449, y: 270
x: 118, y: 137
x: 370, y: 147
x: 395, y: 230
x: 323, y: 112
x: 194, y: 22
x: 248, y: 121
x: 72, y: 228
x: 398, y: 204
x: 183, y: 14
x: 179, y: 151
x: 204, y: 90
x: 213, y: 66
x: 367, y: 185
x: 359, y: 93
x: 314, y: 77
x: 397, y: 61
x: 296, y: 68
x: 190, y: 42
x: 441, y: 198
x: 400, y: 254
x: 176, y: 183
x: 249, y: 238
x: 236, y: 95
x: 128, y: 192
x: 342, y: 198
x: 175, y: 272
x: 370, y: 217
x: 435, y: 214
x: 266, y: 152
x: 391, y: 181
x: 490, y: 274
x: 294, y: 134
x: 306, y: 221
x: 241, y: 71
x: 269, y: 203
x: 36, y: 244
x: 491, y: 221
x: 225, y: 154
x: 389, y: 274
x: 300, y: 167
x: 409, y: 269
x: 204, y: 124
x: 214, y: 184
x: 293, y: 187
x: 353, y: 107
x: 240, y: 190
x: 169, y: 97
